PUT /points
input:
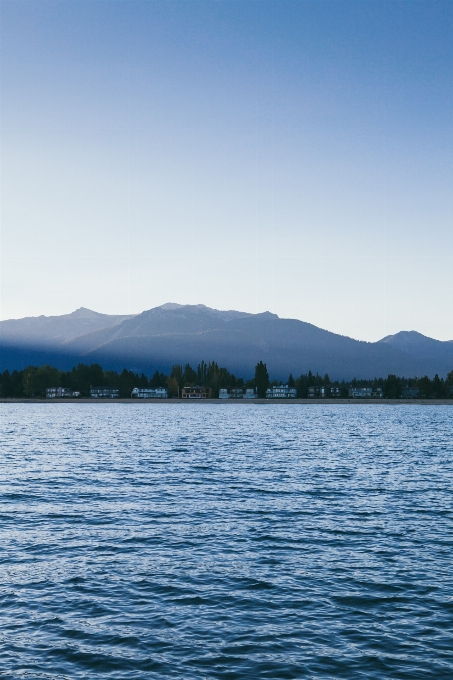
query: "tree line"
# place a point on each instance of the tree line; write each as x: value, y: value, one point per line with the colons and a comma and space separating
x: 34, y: 380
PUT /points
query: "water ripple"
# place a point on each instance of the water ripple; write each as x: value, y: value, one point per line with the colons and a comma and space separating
x: 198, y: 541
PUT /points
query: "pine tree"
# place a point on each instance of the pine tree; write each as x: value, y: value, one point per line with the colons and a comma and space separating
x: 261, y: 379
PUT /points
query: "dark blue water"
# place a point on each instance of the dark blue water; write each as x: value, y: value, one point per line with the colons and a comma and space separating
x: 226, y: 541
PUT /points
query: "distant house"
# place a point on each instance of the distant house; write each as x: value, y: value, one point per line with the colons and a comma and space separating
x: 323, y: 391
x: 361, y: 392
x: 235, y: 393
x: 250, y: 393
x: 149, y: 393
x: 281, y: 392
x: 58, y: 392
x: 196, y: 392
x: 377, y: 393
x: 409, y: 392
x: 104, y: 392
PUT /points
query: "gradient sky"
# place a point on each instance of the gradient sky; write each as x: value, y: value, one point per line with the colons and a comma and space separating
x: 286, y: 156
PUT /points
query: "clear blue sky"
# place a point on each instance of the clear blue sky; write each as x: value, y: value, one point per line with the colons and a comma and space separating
x: 286, y: 156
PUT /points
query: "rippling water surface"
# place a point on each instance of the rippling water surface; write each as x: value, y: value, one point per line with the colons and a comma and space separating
x: 226, y: 541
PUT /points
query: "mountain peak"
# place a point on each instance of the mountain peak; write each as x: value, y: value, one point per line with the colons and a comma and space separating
x: 84, y: 313
x: 170, y: 306
x: 195, y: 310
x: 411, y: 341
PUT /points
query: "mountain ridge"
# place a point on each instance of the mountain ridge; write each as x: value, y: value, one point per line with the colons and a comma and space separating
x: 171, y: 333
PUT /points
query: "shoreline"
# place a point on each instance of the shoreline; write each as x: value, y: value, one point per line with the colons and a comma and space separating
x: 229, y: 402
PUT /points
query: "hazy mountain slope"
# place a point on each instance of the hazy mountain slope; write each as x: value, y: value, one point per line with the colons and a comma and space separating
x: 160, y: 337
x: 241, y: 353
x: 184, y: 321
x: 414, y: 343
x: 45, y: 331
x: 431, y: 353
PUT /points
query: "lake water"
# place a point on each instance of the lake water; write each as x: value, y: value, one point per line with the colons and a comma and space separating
x: 226, y: 541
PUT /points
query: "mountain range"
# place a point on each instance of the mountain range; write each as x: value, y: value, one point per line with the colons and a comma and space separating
x: 172, y: 333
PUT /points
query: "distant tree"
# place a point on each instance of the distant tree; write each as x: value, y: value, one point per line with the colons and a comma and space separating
x: 326, y: 380
x: 425, y: 387
x: 227, y: 379
x: 449, y: 384
x: 217, y: 378
x: 172, y: 386
x: 143, y: 382
x: 392, y: 387
x: 190, y: 377
x: 291, y: 381
x: 438, y: 387
x: 82, y: 376
x: 111, y: 378
x: 17, y: 387
x: 212, y: 377
x: 29, y: 381
x: 202, y: 372
x: 6, y: 385
x: 155, y: 380
x: 47, y: 376
x: 301, y: 386
x: 178, y: 374
x: 125, y: 382
x: 344, y: 391
x: 261, y: 379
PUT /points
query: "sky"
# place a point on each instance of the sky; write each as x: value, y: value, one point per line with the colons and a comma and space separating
x: 290, y: 156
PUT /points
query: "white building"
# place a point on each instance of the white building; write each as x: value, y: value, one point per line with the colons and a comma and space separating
x: 149, y: 393
x: 237, y: 393
x: 281, y: 392
x: 104, y: 392
x: 360, y: 392
x: 58, y: 392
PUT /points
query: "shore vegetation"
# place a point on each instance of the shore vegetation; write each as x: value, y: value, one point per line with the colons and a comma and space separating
x: 33, y: 381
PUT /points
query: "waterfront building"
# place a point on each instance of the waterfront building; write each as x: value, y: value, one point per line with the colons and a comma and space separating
x: 196, y: 392
x: 323, y: 391
x: 237, y: 393
x: 409, y: 392
x: 361, y: 392
x: 58, y: 392
x: 104, y: 392
x: 149, y: 393
x: 281, y: 392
